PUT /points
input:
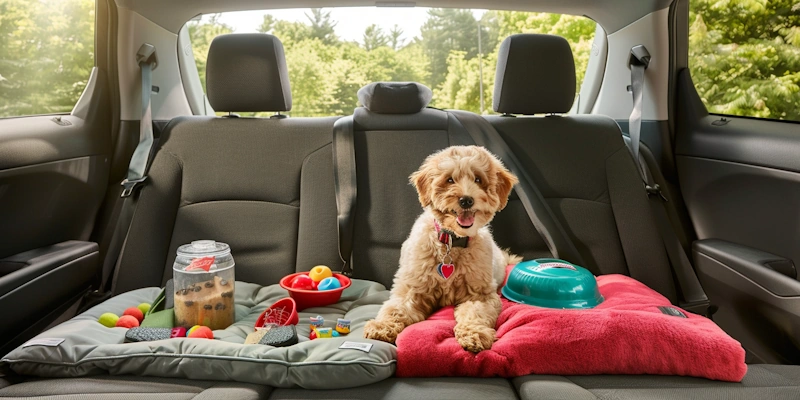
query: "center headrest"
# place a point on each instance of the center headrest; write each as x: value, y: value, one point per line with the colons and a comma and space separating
x: 247, y: 72
x: 535, y: 75
x: 395, y: 97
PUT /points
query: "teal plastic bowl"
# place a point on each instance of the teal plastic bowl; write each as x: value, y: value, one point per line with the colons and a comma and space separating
x: 552, y: 283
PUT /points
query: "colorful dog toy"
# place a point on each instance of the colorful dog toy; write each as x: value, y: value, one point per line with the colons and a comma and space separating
x: 324, y: 333
x: 319, y: 273
x: 329, y: 283
x: 343, y: 326
x: 316, y: 322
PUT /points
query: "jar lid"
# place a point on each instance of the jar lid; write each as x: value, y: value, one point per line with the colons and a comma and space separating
x: 204, y: 248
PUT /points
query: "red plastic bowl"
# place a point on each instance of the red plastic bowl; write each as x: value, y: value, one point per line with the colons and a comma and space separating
x: 314, y: 298
x: 283, y: 312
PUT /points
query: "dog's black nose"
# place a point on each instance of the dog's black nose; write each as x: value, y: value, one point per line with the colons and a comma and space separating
x: 466, y: 202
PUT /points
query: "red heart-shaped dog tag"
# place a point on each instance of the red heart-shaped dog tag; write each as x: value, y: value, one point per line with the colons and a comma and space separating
x: 445, y: 270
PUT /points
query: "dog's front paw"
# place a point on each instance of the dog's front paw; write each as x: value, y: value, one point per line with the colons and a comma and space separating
x: 386, y: 331
x: 475, y: 338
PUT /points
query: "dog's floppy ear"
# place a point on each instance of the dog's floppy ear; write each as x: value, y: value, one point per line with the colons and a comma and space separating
x: 422, y: 182
x: 505, y: 182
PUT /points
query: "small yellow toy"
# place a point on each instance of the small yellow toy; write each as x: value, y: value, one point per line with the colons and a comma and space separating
x: 319, y: 273
x: 343, y: 326
x: 316, y: 322
x: 324, y: 333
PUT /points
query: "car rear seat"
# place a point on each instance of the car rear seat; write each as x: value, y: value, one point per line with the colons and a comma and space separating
x: 583, y: 168
x: 262, y: 185
x: 393, y: 134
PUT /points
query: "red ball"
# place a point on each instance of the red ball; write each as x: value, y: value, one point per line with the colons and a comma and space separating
x: 134, y: 312
x: 202, y: 332
x: 302, y: 282
x: 127, y: 321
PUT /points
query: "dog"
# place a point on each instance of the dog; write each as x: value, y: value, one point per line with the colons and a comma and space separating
x: 450, y: 256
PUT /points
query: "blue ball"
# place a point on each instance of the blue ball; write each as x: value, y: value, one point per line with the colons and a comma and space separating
x: 335, y: 334
x: 329, y: 284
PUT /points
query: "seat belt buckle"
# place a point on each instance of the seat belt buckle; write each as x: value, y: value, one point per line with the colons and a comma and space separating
x: 699, y: 307
x: 655, y: 190
x: 128, y: 186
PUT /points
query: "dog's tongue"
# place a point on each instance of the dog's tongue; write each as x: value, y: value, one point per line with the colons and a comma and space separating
x: 465, y: 218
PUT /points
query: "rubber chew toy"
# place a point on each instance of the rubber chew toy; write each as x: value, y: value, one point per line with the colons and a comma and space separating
x: 127, y: 321
x: 319, y: 273
x: 280, y: 336
x: 324, y: 333
x: 109, y: 320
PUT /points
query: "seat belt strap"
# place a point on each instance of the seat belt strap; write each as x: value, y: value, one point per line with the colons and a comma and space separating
x: 540, y: 214
x: 147, y: 60
x: 693, y: 297
x: 638, y: 62
x: 345, y: 185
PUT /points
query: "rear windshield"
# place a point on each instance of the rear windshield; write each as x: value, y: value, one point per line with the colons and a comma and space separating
x: 331, y: 53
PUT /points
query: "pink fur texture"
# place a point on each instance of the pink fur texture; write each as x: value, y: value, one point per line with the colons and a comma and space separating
x: 626, y: 334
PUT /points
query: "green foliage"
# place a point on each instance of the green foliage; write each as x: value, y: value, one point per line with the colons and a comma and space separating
x: 46, y: 54
x: 374, y: 38
x: 201, y: 34
x: 744, y: 56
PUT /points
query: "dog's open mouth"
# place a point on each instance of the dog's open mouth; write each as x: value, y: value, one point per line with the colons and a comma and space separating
x: 465, y: 218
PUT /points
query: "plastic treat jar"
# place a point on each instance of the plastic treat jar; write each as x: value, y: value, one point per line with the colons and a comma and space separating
x: 204, y: 297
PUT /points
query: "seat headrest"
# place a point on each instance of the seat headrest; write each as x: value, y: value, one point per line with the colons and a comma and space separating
x: 247, y: 72
x: 535, y: 75
x: 395, y: 97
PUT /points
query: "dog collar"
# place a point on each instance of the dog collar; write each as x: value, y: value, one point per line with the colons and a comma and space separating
x: 448, y: 237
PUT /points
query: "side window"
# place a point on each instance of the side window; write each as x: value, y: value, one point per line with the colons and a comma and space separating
x: 744, y: 56
x: 332, y: 52
x: 46, y: 55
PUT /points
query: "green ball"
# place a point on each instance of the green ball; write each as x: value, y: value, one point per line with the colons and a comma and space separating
x: 144, y: 308
x: 109, y: 320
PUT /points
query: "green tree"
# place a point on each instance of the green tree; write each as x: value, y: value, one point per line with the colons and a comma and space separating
x: 461, y: 87
x: 46, y: 54
x: 744, y: 56
x: 201, y: 34
x: 374, y: 38
x: 322, y: 26
x: 395, y: 37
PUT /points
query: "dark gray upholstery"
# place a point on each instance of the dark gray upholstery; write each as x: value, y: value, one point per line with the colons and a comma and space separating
x: 395, y: 97
x: 133, y: 388
x: 411, y: 389
x: 535, y: 75
x: 217, y: 178
x: 247, y: 72
x: 773, y: 382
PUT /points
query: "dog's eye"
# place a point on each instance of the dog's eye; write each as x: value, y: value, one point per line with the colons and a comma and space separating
x: 477, y: 179
x: 450, y: 180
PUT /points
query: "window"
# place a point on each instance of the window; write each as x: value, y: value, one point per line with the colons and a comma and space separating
x: 46, y: 55
x: 331, y: 53
x: 744, y: 56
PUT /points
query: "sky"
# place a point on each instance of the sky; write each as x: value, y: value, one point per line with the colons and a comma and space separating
x: 351, y: 20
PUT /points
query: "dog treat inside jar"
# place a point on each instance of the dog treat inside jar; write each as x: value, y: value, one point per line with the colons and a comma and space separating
x: 203, y: 276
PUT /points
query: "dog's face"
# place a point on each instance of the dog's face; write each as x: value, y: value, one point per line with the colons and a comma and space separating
x: 464, y: 186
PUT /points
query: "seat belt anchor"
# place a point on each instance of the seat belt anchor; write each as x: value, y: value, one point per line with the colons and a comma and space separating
x: 655, y: 190
x: 639, y: 56
x: 128, y: 186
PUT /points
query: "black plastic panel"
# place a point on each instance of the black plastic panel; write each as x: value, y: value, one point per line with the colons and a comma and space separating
x: 38, y: 281
x: 755, y: 206
x: 767, y: 324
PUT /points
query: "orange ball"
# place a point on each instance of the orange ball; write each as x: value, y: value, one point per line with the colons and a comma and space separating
x: 127, y: 321
x: 134, y: 312
x: 202, y: 332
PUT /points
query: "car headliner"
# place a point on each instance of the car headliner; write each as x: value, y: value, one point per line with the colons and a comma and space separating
x: 612, y: 15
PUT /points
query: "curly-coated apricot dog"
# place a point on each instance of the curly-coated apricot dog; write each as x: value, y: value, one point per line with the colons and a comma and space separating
x: 450, y: 257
